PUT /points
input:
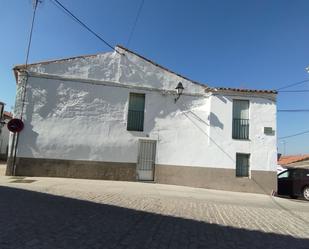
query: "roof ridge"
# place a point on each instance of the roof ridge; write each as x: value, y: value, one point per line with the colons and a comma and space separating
x: 160, y: 66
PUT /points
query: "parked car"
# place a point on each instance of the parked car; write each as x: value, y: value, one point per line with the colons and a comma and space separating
x: 294, y: 183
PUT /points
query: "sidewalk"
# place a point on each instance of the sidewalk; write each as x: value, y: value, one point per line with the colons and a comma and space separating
x: 2, y: 168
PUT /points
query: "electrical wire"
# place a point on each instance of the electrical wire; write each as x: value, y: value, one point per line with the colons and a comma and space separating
x: 84, y: 25
x: 293, y: 84
x: 294, y: 135
x: 35, y: 5
x: 294, y: 91
x: 135, y: 22
x: 294, y: 110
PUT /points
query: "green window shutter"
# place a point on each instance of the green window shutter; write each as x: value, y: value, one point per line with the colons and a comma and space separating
x: 242, y: 165
x: 136, y: 112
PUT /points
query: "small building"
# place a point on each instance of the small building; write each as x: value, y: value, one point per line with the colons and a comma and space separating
x: 294, y: 161
x: 118, y: 116
x: 5, y: 117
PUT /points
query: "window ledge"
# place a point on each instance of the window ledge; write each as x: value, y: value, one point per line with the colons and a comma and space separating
x: 239, y: 139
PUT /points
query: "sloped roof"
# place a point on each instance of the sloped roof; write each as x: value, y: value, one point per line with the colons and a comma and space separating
x: 242, y: 90
x: 22, y: 66
x: 207, y: 88
x: 157, y: 65
x: 286, y: 160
x: 8, y: 114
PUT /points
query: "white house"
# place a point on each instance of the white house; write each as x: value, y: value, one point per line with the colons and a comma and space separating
x: 5, y: 117
x: 114, y: 116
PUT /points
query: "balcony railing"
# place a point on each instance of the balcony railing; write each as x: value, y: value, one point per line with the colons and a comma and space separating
x: 240, y: 128
x: 135, y: 121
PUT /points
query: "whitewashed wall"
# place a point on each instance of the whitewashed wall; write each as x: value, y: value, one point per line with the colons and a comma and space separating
x: 82, y: 121
x: 4, y: 138
x: 113, y: 67
x: 262, y: 113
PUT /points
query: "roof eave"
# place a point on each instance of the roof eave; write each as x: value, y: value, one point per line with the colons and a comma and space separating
x: 239, y: 90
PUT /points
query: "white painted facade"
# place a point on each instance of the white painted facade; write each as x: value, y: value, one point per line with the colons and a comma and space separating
x: 4, y: 140
x: 77, y: 109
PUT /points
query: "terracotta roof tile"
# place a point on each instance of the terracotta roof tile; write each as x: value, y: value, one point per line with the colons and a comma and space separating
x: 285, y: 160
x: 8, y: 114
x: 240, y: 90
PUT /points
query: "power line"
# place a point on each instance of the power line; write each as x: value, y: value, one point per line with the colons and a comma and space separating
x: 294, y: 135
x: 294, y: 110
x: 63, y: 11
x: 84, y: 25
x: 135, y: 22
x: 35, y: 5
x: 293, y: 84
x: 294, y: 91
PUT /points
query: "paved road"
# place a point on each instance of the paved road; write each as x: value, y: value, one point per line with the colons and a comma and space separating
x: 71, y: 213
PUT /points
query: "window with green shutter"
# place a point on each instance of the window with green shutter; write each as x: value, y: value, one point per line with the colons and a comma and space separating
x: 240, y: 119
x: 136, y: 112
x: 242, y: 165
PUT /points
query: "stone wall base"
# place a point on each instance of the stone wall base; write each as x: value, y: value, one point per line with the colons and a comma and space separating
x: 73, y: 169
x: 263, y: 182
x: 203, y: 177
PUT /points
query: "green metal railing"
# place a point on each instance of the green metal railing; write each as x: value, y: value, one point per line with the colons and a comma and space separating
x: 240, y: 128
x: 135, y: 120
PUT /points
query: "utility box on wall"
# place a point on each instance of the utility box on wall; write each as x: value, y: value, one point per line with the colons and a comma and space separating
x: 269, y: 131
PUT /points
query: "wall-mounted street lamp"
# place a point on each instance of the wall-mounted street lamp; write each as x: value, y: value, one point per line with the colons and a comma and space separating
x: 179, y: 90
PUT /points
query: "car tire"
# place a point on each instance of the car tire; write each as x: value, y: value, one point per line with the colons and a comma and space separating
x: 306, y: 193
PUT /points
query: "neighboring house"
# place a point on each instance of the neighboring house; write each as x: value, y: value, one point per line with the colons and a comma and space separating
x: 4, y: 135
x: 113, y: 116
x: 294, y: 161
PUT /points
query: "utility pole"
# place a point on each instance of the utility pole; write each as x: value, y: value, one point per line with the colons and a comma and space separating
x: 1, y: 116
x: 11, y: 168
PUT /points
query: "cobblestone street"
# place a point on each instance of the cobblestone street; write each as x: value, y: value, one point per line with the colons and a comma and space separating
x: 71, y: 213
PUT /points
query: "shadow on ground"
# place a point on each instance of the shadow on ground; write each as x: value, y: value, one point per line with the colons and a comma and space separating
x: 36, y: 220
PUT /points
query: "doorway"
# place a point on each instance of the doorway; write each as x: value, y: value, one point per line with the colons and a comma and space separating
x: 146, y: 159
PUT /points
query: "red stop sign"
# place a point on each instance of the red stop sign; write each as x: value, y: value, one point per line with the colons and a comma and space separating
x: 15, y: 125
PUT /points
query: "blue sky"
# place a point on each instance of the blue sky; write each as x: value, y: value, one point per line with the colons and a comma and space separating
x: 239, y: 43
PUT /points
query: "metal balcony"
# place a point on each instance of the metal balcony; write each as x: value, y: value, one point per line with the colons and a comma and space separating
x: 240, y: 128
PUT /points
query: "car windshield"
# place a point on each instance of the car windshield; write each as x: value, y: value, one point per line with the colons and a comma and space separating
x: 284, y: 174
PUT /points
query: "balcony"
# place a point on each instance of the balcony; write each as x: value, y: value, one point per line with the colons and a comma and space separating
x: 241, y: 128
